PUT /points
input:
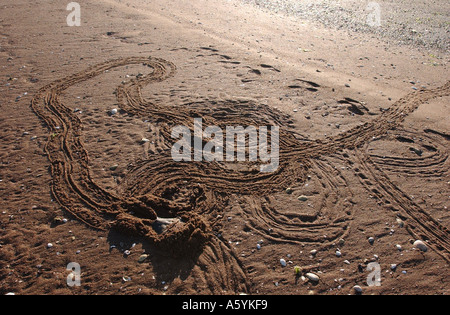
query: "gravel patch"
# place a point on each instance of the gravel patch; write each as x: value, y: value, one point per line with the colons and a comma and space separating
x: 409, y: 22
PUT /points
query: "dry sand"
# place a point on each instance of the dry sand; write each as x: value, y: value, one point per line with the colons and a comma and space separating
x: 364, y: 135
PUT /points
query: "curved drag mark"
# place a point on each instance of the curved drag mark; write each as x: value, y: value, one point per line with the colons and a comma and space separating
x: 193, y: 195
x: 431, y: 155
x: 420, y: 224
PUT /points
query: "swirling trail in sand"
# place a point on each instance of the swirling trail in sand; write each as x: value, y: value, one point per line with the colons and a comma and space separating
x: 197, y: 193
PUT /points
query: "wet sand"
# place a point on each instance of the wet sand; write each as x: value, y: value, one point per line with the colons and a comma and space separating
x: 363, y: 142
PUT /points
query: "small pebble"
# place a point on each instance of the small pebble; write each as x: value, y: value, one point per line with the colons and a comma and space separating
x: 312, y: 277
x: 142, y: 258
x: 49, y: 245
x: 421, y: 245
x: 114, y: 167
x: 358, y: 289
x: 371, y: 240
x: 283, y: 262
x: 126, y: 279
x: 399, y: 247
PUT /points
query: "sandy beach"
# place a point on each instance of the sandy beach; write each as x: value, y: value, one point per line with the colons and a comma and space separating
x: 93, y: 202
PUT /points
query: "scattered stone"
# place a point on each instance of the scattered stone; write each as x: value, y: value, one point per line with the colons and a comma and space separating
x: 338, y: 254
x: 126, y: 279
x: 394, y: 267
x: 371, y: 240
x: 161, y: 225
x: 399, y: 247
x: 313, y: 252
x: 59, y: 221
x: 400, y: 223
x: 303, y: 198
x: 258, y: 246
x: 421, y: 245
x: 49, y: 245
x: 289, y: 191
x: 142, y: 258
x: 144, y: 140
x: 283, y: 262
x: 358, y: 289
x: 313, y: 277
x: 114, y: 167
x: 113, y: 112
